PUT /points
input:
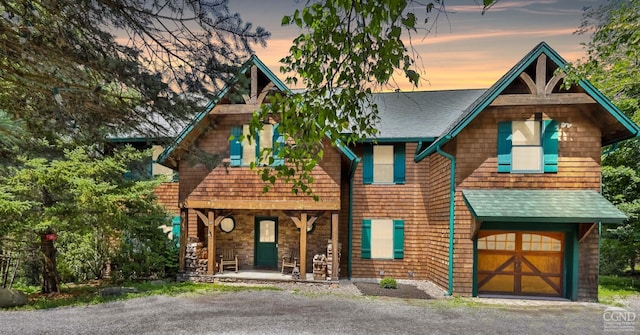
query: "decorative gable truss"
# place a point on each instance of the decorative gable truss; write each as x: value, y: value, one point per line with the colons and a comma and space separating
x: 539, y: 84
x: 262, y: 83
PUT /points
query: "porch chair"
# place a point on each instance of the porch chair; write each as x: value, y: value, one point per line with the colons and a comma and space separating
x: 290, y: 260
x: 228, y: 258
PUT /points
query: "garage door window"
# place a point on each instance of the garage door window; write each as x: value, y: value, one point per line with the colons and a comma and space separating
x: 535, y: 242
x: 498, y: 242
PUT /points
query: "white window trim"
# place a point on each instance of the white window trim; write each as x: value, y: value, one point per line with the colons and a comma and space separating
x: 382, y: 229
x: 379, y: 148
x: 539, y: 146
x: 252, y: 146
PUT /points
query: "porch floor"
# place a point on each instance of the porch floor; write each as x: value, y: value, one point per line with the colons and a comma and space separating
x: 260, y: 275
x: 250, y: 276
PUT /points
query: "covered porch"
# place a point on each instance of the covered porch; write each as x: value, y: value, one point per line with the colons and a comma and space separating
x: 260, y: 239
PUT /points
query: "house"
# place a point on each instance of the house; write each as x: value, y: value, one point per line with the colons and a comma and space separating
x: 482, y: 192
x: 167, y: 191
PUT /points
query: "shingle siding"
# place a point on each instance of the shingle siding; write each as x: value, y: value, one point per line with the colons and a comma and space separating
x: 578, y: 168
x: 406, y: 202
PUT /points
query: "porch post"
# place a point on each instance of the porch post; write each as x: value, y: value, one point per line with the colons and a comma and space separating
x: 334, y: 243
x: 211, y: 245
x: 303, y: 246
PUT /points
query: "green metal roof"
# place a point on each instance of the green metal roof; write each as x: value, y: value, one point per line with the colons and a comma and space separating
x: 536, y: 206
x: 489, y: 95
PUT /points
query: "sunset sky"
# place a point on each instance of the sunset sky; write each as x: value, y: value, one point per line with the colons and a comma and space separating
x: 466, y: 49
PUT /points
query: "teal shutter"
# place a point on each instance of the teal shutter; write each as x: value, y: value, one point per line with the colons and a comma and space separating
x: 398, y: 239
x: 550, y: 145
x: 366, y: 240
x: 504, y: 146
x: 367, y: 164
x: 398, y: 163
x: 235, y: 146
x: 278, y: 143
x: 175, y: 228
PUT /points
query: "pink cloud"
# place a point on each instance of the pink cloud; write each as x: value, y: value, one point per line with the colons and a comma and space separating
x: 446, y: 38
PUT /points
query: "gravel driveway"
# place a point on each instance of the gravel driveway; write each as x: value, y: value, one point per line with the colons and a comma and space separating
x: 299, y: 311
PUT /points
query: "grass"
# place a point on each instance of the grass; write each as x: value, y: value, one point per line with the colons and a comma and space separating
x: 89, y: 294
x: 611, y: 290
x: 614, y: 288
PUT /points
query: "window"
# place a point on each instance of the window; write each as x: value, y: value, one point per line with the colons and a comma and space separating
x: 528, y: 146
x: 383, y: 164
x: 505, y: 241
x: 244, y: 152
x: 382, y: 239
x: 535, y: 242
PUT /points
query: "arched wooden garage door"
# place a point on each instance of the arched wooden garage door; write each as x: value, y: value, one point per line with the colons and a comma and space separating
x: 520, y: 263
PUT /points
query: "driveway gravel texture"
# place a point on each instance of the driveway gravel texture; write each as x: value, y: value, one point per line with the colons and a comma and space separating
x: 310, y: 309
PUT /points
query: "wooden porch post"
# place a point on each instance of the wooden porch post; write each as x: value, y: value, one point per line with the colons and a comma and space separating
x: 334, y: 243
x: 211, y: 246
x: 303, y: 246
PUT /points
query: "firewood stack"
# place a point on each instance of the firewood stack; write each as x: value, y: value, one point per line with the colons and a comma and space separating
x: 330, y: 258
x: 195, y: 258
x: 319, y: 267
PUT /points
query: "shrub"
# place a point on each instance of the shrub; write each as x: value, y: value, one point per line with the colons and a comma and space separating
x: 613, y: 257
x: 388, y: 283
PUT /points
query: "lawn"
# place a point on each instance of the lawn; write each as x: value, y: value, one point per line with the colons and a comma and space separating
x: 614, y: 288
x: 89, y: 293
x: 611, y: 290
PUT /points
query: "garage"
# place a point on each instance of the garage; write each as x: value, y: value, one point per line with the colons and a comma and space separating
x: 520, y: 263
x: 527, y: 242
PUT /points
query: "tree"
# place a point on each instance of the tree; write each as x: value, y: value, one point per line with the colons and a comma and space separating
x: 64, y: 68
x: 73, y: 73
x: 349, y: 49
x: 81, y: 193
x: 613, y: 66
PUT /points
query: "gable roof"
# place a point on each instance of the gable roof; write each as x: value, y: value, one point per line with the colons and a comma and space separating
x: 488, y: 96
x: 253, y: 60
x: 420, y: 116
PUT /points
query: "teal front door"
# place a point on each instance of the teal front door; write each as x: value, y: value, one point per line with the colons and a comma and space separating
x: 266, y: 242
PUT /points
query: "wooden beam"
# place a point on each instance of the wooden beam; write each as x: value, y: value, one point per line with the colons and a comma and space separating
x: 541, y: 74
x: 264, y: 204
x: 551, y: 99
x: 211, y: 246
x: 296, y: 221
x: 583, y: 232
x: 264, y: 92
x: 553, y: 82
x: 303, y: 247
x: 529, y: 82
x: 336, y: 249
x: 222, y: 109
x: 254, y: 84
x: 202, y: 217
x: 311, y: 221
x: 221, y: 216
